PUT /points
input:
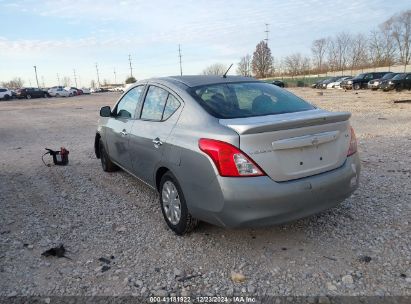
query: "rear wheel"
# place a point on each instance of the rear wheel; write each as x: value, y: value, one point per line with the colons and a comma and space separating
x: 106, y: 163
x: 174, y: 207
x: 28, y: 96
x: 46, y: 95
x: 6, y: 97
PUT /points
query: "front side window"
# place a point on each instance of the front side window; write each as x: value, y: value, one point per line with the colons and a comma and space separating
x: 154, y: 104
x: 408, y: 77
x: 248, y: 99
x: 126, y: 108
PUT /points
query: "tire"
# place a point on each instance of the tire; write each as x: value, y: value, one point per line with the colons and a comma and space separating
x: 28, y: 96
x: 106, y: 163
x: 57, y: 95
x: 174, y: 207
x: 46, y: 96
x: 357, y: 86
x: 6, y: 97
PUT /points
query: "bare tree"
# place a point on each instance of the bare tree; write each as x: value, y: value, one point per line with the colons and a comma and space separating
x: 244, y: 66
x: 342, y: 44
x: 358, y: 52
x: 318, y: 49
x: 332, y: 57
x: 15, y: 83
x: 215, y: 69
x: 401, y: 31
x: 92, y: 83
x: 376, y: 49
x: 262, y: 60
x: 388, y: 44
x: 293, y: 64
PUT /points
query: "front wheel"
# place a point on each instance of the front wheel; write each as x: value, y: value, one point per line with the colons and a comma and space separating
x: 28, y: 96
x: 174, y: 207
x: 357, y: 86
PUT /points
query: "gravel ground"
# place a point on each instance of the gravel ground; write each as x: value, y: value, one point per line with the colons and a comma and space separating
x: 361, y: 247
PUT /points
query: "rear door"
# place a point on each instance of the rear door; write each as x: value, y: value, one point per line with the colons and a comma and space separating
x: 149, y: 134
x: 119, y: 126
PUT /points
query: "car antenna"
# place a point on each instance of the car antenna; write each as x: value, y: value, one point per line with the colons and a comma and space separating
x: 225, y: 74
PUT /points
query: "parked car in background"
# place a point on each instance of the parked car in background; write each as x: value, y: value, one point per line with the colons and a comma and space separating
x: 325, y: 82
x: 5, y: 94
x: 29, y: 93
x: 72, y: 91
x: 265, y: 155
x: 374, y: 84
x: 401, y: 81
x: 278, y: 83
x: 58, y: 91
x: 85, y: 90
x: 361, y: 80
x: 316, y: 84
x: 333, y: 84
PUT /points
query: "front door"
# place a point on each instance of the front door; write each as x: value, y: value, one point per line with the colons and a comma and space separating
x: 120, y: 124
x: 148, y: 138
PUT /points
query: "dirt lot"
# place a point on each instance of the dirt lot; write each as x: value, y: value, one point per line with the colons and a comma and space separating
x: 362, y: 247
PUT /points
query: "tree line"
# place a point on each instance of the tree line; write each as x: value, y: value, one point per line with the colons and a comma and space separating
x: 386, y: 45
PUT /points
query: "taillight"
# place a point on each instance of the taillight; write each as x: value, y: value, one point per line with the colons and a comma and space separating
x: 353, y: 143
x: 229, y: 160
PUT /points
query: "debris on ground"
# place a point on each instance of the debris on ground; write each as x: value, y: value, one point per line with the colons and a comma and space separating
x: 237, y: 277
x: 56, y: 251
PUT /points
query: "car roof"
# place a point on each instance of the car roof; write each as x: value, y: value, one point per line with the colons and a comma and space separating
x: 199, y: 80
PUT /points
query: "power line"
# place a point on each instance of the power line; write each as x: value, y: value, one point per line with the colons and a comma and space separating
x: 37, y: 80
x: 179, y: 55
x: 131, y: 68
x: 98, y: 76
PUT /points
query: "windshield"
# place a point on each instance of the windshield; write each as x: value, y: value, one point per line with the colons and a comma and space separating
x: 247, y: 99
x: 388, y: 76
x: 398, y: 77
x: 360, y: 76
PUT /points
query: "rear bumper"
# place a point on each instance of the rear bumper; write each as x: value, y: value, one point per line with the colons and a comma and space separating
x: 259, y: 201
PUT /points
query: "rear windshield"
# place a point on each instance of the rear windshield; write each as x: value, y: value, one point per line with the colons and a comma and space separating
x: 247, y: 99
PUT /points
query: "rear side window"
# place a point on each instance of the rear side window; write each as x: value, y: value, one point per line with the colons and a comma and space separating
x: 248, y: 99
x: 171, y: 106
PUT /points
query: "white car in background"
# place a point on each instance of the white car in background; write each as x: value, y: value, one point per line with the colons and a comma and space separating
x: 58, y: 92
x: 86, y: 90
x: 5, y: 94
x: 336, y: 84
x: 72, y: 91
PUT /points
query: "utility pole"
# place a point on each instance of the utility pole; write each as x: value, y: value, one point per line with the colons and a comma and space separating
x: 131, y: 68
x: 266, y: 32
x: 37, y: 80
x: 42, y: 80
x: 58, y: 79
x: 75, y: 77
x: 179, y: 55
x: 98, y: 76
x: 115, y: 76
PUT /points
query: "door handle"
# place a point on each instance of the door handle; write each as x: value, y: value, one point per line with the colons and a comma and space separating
x: 157, y: 142
x: 123, y: 133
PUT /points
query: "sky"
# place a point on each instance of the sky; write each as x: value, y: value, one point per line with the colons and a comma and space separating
x: 59, y: 37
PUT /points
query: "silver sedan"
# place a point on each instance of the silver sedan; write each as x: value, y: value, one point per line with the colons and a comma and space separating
x: 231, y: 151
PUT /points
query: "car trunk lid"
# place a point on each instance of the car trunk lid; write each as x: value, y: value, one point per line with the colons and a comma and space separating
x: 294, y: 145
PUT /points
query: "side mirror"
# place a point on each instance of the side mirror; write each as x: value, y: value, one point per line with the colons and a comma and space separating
x: 105, y: 111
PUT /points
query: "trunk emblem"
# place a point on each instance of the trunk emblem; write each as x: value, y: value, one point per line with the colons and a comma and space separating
x: 315, y: 141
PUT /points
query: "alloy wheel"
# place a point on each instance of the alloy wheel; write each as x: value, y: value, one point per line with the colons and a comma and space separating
x: 171, y: 202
